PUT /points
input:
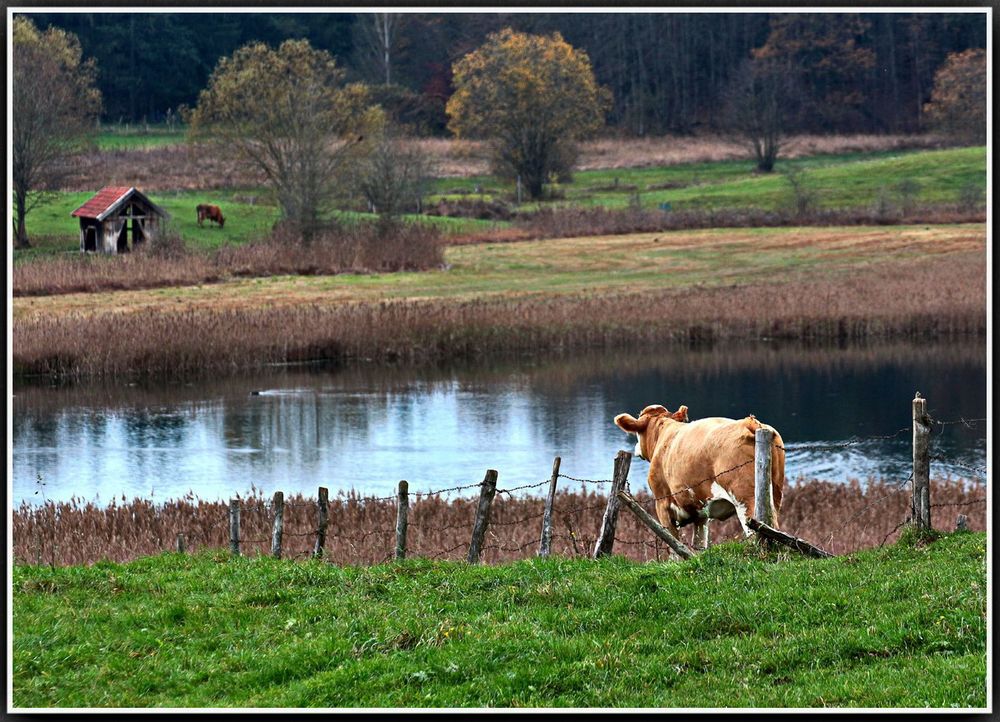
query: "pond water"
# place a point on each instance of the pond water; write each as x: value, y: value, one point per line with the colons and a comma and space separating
x: 367, y: 429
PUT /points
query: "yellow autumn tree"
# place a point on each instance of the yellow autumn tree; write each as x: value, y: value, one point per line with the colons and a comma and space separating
x: 533, y: 98
x: 958, y: 100
x: 54, y: 104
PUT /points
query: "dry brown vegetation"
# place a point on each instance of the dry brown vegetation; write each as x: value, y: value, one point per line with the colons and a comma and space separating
x: 944, y: 297
x: 573, y: 222
x: 360, y: 249
x: 181, y: 167
x: 841, y: 518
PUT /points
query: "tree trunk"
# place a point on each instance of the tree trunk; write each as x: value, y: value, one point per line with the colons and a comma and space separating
x: 20, y: 232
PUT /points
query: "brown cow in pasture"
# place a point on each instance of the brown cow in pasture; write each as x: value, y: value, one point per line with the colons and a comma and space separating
x: 212, y: 213
x: 691, y: 467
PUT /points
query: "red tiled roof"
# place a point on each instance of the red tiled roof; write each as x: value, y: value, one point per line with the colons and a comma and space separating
x: 105, y: 198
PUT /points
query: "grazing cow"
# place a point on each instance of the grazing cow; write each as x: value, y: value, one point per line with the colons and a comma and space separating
x: 212, y: 213
x: 691, y: 467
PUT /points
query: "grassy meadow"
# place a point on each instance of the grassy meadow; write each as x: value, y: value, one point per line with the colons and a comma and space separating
x: 900, y: 626
x: 836, y: 181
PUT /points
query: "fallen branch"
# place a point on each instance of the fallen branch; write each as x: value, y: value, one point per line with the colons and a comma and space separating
x: 673, y: 542
x: 800, y: 545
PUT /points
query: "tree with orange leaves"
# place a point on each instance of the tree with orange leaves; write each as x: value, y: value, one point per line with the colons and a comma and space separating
x: 533, y: 97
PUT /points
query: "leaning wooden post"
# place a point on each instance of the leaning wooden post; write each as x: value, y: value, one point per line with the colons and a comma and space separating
x: 234, y: 527
x: 921, y: 504
x: 545, y: 546
x: 646, y: 518
x: 279, y: 524
x: 487, y: 491
x: 322, y: 513
x: 763, y: 500
x: 606, y: 539
x: 402, y: 508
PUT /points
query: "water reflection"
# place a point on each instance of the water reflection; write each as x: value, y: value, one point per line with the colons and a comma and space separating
x: 367, y: 428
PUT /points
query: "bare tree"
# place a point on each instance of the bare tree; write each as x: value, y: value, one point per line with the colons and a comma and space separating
x: 394, y: 176
x: 54, y: 106
x: 378, y: 39
x: 760, y: 107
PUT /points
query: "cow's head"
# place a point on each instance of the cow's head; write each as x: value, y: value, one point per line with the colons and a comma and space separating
x: 650, y: 419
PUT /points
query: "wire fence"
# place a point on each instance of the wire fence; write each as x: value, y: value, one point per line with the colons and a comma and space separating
x: 355, y: 529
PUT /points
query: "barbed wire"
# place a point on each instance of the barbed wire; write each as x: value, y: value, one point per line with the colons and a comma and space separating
x: 586, y: 481
x: 968, y: 423
x: 978, y: 470
x: 867, y: 507
x: 960, y: 503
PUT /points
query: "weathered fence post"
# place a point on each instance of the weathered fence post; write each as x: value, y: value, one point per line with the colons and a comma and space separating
x: 180, y: 543
x: 545, y: 546
x: 234, y: 527
x: 921, y: 504
x: 279, y: 524
x: 487, y: 491
x: 402, y: 508
x: 606, y: 539
x: 763, y: 499
x: 322, y: 513
x: 962, y: 523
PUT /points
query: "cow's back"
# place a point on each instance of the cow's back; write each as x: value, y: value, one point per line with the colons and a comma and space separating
x: 720, y: 449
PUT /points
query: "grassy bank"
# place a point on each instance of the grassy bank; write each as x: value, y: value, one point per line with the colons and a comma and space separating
x: 901, y: 626
x: 530, y: 297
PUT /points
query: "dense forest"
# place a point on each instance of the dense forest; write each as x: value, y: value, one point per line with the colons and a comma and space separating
x: 869, y: 72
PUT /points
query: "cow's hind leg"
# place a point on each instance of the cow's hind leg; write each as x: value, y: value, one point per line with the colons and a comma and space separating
x: 699, y: 537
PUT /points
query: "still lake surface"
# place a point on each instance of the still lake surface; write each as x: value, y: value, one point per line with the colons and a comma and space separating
x: 367, y: 429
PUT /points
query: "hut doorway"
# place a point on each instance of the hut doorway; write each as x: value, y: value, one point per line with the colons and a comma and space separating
x: 122, y: 246
x: 90, y: 239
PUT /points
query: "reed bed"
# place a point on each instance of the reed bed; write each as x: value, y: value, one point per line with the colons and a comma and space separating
x: 841, y: 518
x: 363, y: 248
x: 933, y: 297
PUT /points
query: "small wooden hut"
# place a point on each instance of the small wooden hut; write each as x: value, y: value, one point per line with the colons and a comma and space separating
x: 117, y: 219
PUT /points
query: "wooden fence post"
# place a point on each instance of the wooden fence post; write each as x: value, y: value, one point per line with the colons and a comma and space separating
x: 234, y: 527
x: 487, y: 491
x: 402, y: 508
x: 921, y: 504
x: 962, y: 523
x: 763, y: 499
x: 545, y: 546
x: 322, y: 513
x: 606, y: 539
x: 180, y: 543
x: 279, y: 524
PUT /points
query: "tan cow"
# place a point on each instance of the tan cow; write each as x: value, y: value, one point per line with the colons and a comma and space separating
x: 695, y: 468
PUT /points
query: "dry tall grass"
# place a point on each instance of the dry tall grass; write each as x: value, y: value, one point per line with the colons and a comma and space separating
x: 359, y: 249
x: 841, y: 518
x: 599, y: 221
x: 942, y: 297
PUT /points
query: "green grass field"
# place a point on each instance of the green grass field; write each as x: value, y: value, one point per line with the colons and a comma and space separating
x: 129, y: 137
x: 901, y: 626
x: 54, y: 231
x: 838, y: 181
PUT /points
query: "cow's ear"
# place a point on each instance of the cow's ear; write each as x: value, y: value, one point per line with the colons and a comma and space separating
x: 626, y: 422
x: 680, y: 415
